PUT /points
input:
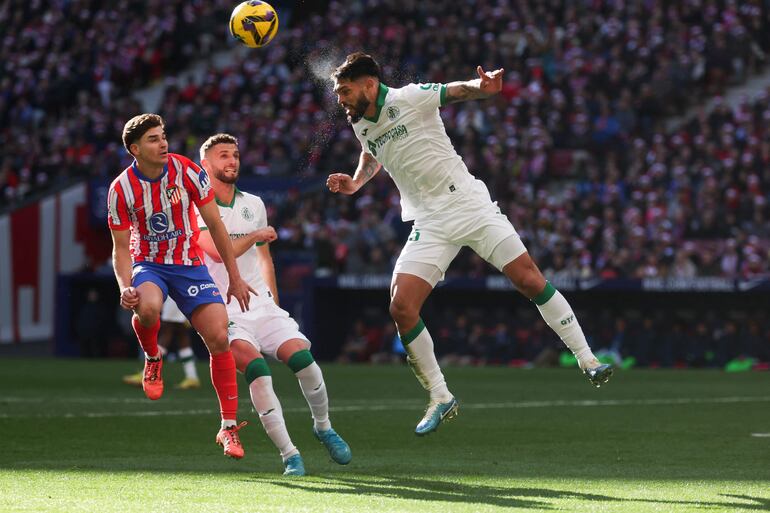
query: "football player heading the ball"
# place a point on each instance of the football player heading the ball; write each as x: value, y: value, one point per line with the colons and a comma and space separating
x: 401, y: 129
x: 266, y: 328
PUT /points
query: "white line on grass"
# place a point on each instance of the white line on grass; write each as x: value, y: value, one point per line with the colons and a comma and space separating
x: 410, y: 405
x: 761, y: 435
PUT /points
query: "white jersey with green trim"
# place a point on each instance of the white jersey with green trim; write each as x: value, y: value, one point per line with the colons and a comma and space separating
x: 242, y: 216
x: 407, y: 136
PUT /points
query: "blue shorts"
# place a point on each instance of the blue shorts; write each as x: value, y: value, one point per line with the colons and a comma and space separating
x: 189, y: 286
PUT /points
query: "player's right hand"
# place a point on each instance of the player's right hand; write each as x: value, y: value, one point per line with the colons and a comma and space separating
x: 341, y: 182
x: 240, y: 290
x: 129, y: 298
x: 265, y: 234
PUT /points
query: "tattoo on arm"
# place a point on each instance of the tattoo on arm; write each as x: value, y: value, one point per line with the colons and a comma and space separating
x: 370, y: 167
x: 462, y: 91
x: 367, y: 168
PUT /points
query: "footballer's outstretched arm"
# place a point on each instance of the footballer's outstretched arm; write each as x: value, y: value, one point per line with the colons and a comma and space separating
x: 344, y: 183
x: 488, y: 84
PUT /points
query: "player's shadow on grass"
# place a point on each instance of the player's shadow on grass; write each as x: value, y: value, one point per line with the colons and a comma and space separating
x: 412, y: 488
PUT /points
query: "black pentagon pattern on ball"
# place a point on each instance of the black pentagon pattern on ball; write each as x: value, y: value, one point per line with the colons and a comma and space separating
x: 250, y: 25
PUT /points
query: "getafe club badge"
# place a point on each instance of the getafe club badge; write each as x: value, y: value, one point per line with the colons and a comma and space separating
x: 393, y: 112
x: 173, y: 194
x: 246, y: 213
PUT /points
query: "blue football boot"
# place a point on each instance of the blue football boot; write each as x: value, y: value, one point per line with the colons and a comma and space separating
x: 435, y: 414
x: 599, y: 375
x: 338, y: 449
x: 294, y: 466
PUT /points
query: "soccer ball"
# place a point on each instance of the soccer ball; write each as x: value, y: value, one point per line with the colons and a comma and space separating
x: 254, y: 23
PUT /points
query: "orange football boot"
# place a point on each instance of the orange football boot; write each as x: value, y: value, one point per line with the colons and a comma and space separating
x: 152, y: 382
x: 228, y: 438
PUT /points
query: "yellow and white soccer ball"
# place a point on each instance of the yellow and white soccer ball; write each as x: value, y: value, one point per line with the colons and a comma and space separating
x: 254, y: 23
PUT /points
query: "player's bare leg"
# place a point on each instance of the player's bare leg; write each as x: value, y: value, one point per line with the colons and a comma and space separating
x: 558, y: 315
x: 252, y: 364
x: 408, y: 292
x: 294, y: 353
x: 146, y: 323
x: 210, y: 321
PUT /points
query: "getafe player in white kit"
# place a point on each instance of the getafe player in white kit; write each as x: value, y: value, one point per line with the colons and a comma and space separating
x: 401, y: 129
x: 265, y: 328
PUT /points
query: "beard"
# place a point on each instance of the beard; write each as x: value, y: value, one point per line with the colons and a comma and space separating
x: 357, y: 110
x: 222, y: 176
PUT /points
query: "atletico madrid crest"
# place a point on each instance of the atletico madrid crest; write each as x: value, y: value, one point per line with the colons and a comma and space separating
x: 173, y: 194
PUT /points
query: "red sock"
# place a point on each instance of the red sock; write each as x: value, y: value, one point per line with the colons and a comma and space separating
x: 223, y: 378
x: 148, y: 337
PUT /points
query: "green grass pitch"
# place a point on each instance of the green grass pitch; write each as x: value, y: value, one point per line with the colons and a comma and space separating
x: 73, y: 438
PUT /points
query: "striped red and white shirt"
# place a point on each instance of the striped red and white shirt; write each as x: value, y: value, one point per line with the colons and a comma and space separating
x: 160, y: 213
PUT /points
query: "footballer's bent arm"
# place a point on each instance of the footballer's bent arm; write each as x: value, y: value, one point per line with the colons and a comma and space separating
x: 367, y: 168
x: 121, y: 257
x: 240, y: 245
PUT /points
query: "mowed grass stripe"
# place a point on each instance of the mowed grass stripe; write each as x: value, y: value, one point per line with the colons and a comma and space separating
x: 410, y: 405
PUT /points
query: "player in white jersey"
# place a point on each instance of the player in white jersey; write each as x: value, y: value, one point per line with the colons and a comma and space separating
x: 265, y: 328
x: 402, y: 131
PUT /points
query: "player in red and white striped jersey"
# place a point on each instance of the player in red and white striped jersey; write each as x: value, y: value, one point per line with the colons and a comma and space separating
x: 156, y: 254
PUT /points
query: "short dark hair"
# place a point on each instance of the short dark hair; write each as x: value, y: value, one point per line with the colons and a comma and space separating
x: 217, y: 139
x: 357, y: 65
x: 137, y: 126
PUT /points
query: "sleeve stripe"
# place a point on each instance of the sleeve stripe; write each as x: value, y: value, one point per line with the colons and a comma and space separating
x: 442, y: 96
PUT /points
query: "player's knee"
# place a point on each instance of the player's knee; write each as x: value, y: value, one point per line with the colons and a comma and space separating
x: 217, y: 341
x: 402, y: 311
x: 148, y: 313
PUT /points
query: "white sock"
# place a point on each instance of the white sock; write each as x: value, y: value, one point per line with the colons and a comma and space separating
x: 228, y: 423
x: 558, y: 315
x: 187, y: 357
x: 311, y: 382
x: 419, y: 349
x: 271, y: 415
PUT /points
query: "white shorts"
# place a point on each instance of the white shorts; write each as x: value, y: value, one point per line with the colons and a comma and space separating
x: 266, y: 326
x: 480, y: 225
x: 171, y: 312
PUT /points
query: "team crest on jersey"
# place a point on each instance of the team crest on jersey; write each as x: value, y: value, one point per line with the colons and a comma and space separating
x: 173, y: 194
x: 246, y: 214
x: 393, y: 112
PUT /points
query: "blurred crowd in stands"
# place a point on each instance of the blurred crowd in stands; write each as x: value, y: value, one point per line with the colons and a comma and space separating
x: 475, y: 336
x: 575, y: 149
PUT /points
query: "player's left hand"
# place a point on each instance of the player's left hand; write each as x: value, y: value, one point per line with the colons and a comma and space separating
x: 491, y: 81
x: 240, y: 290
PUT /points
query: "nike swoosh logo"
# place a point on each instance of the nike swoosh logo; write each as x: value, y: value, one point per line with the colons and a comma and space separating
x: 319, y: 386
x: 229, y: 398
x: 267, y: 412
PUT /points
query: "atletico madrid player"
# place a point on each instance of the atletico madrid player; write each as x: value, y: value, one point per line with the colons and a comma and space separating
x: 156, y: 254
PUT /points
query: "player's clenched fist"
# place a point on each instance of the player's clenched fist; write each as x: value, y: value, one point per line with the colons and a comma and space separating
x: 341, y: 182
x: 266, y: 234
x: 129, y: 298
